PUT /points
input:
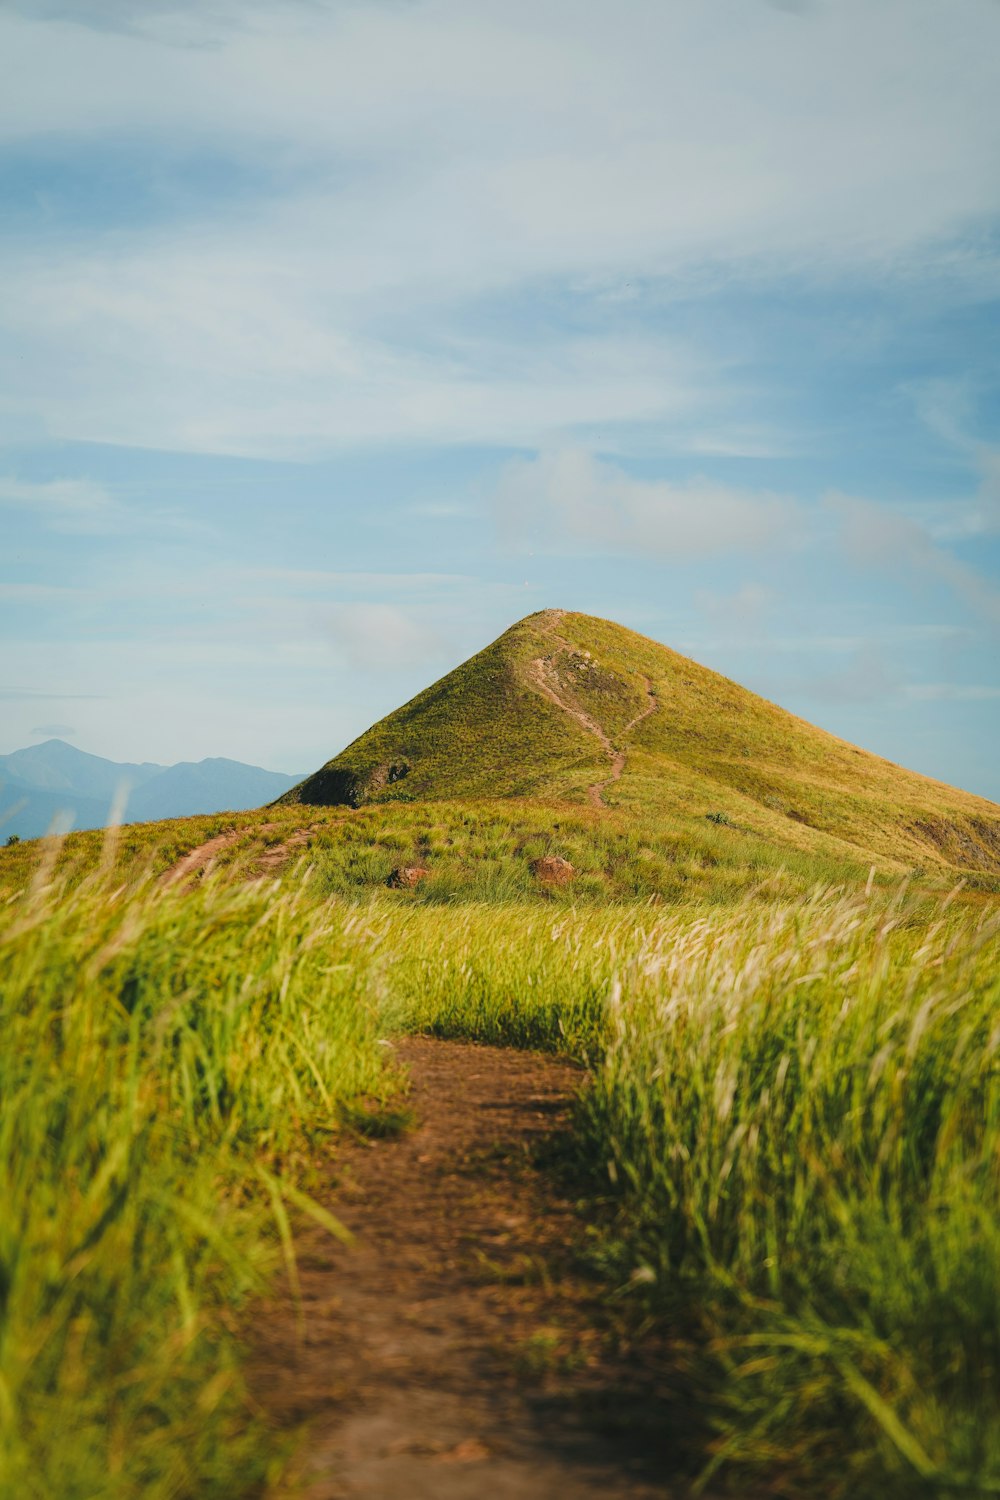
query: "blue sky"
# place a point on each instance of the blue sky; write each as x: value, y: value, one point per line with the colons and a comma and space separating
x: 335, y: 337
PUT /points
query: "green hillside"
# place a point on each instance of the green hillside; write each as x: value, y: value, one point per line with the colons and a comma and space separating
x: 568, y: 707
x: 776, y: 1191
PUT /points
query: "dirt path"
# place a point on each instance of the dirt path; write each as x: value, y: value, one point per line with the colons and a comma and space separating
x: 197, y: 860
x: 269, y: 862
x: 454, y: 1352
x: 277, y: 856
x: 543, y: 675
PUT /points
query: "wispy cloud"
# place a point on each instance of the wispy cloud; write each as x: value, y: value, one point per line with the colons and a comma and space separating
x: 63, y: 504
x: 947, y: 407
x: 865, y: 678
x: 874, y: 535
x: 83, y: 507
x: 42, y: 593
x: 430, y: 157
x: 380, y: 637
x: 572, y: 496
x: 27, y: 695
x: 746, y: 606
x: 54, y: 731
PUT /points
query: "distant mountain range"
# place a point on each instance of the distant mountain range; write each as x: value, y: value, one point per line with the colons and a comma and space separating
x: 56, y: 783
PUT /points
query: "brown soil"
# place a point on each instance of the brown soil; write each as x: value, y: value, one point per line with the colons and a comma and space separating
x: 269, y: 862
x: 277, y: 856
x: 197, y: 860
x: 544, y: 676
x: 455, y: 1349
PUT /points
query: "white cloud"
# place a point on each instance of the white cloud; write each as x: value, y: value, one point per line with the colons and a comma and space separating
x: 27, y: 695
x: 82, y: 507
x: 220, y: 349
x: 429, y: 154
x: 321, y: 580
x: 948, y: 410
x: 989, y: 491
x: 866, y: 678
x: 739, y: 610
x: 655, y: 129
x: 874, y: 535
x: 381, y: 637
x: 570, y: 495
x: 42, y: 593
x: 63, y: 504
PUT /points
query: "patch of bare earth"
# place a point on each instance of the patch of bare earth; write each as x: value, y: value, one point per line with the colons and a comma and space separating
x: 273, y: 860
x: 270, y: 861
x: 197, y: 861
x: 455, y: 1349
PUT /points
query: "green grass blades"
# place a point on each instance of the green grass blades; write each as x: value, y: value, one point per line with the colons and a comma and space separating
x: 160, y: 1054
x: 791, y: 1131
x: 794, y: 1121
x: 800, y: 1112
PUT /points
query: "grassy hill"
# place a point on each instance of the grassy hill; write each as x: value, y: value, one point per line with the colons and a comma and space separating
x: 568, y: 707
x: 785, y: 1147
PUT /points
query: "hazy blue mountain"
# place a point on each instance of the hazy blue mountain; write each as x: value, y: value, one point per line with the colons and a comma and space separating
x: 206, y: 786
x: 56, y: 783
x: 55, y: 766
x: 28, y: 811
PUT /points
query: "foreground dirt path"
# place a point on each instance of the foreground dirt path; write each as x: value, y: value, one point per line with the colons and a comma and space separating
x: 453, y: 1351
x: 545, y: 678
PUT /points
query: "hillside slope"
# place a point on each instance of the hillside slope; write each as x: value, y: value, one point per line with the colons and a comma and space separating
x: 569, y: 707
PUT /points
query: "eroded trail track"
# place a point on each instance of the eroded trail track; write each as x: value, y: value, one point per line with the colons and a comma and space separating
x: 545, y: 677
x: 453, y: 1350
x: 270, y: 861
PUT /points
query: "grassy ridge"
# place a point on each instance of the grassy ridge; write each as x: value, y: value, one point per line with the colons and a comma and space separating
x: 473, y: 851
x: 483, y: 851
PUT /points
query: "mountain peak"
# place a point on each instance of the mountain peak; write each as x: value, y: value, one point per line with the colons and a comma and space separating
x: 570, y: 707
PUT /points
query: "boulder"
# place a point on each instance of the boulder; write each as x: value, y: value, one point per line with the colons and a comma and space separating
x: 405, y: 877
x: 552, y: 869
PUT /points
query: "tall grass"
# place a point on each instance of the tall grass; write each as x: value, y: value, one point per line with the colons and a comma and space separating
x: 162, y: 1056
x: 801, y: 1112
x: 792, y: 1128
x: 796, y: 1110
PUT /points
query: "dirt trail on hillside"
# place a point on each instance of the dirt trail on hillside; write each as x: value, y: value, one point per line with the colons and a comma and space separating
x: 197, y: 860
x: 268, y: 862
x: 454, y: 1351
x: 543, y: 675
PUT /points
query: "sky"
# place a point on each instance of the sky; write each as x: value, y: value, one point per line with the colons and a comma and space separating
x: 335, y: 337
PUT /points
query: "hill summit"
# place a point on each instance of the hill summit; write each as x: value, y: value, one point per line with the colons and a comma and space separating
x: 566, y: 707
